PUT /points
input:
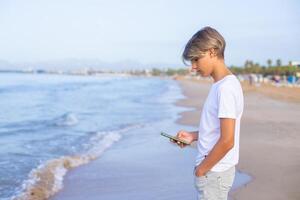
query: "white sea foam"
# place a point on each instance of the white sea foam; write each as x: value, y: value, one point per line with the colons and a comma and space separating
x: 47, y: 178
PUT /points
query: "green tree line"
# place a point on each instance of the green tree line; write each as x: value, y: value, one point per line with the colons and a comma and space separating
x: 249, y: 67
x: 270, y: 69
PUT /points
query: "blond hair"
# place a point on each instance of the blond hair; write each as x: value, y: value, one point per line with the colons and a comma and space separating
x: 205, y: 39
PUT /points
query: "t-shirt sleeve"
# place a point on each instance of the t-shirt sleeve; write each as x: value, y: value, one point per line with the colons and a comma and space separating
x: 227, y: 103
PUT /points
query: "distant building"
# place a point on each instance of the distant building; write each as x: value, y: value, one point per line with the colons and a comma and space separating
x: 295, y: 63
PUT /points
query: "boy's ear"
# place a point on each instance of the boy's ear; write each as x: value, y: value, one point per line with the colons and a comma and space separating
x: 212, y: 53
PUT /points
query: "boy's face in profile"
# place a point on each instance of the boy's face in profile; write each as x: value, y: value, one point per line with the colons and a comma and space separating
x: 203, y: 64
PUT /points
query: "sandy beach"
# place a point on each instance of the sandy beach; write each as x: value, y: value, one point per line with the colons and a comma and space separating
x: 269, y: 143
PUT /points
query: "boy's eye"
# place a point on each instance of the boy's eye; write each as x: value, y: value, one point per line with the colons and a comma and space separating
x: 194, y: 60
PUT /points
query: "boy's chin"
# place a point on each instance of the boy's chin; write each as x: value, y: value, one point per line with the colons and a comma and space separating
x: 203, y: 75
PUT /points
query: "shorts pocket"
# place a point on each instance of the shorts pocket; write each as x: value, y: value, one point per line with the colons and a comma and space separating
x: 200, y: 177
x: 200, y: 182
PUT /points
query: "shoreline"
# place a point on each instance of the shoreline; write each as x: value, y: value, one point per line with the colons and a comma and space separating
x: 86, y: 179
x: 257, y: 131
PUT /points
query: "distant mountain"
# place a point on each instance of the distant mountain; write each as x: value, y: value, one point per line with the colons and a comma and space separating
x: 6, y: 65
x: 75, y: 63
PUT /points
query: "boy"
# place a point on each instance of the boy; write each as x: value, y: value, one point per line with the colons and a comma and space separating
x: 219, y: 128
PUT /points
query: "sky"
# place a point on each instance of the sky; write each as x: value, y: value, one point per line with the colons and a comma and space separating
x: 146, y: 32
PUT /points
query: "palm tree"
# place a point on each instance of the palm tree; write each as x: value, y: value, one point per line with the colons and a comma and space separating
x: 278, y: 62
x: 269, y: 61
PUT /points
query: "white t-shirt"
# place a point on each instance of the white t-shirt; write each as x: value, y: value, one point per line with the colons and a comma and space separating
x: 225, y: 100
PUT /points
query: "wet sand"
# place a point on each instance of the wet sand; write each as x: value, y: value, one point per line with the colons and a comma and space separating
x: 269, y: 143
x: 141, y: 165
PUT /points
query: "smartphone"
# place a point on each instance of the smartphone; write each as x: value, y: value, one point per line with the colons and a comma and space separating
x: 174, y: 138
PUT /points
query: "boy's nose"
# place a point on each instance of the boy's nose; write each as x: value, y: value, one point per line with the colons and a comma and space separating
x: 194, y: 66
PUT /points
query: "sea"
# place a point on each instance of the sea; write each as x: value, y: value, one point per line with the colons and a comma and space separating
x: 52, y: 123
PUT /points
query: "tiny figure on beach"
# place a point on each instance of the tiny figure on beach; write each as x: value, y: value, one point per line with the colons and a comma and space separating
x: 219, y: 129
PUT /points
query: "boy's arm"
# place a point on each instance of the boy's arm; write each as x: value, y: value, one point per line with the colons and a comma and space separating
x: 224, y: 144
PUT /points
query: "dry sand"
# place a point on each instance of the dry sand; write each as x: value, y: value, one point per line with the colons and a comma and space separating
x: 270, y: 138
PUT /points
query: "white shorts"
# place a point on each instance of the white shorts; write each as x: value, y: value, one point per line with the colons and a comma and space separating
x: 214, y: 185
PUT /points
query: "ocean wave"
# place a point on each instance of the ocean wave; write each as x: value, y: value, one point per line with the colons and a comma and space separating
x: 68, y: 119
x: 47, y: 178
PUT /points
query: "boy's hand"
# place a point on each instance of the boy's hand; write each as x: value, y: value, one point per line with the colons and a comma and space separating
x: 184, y: 135
x: 199, y: 172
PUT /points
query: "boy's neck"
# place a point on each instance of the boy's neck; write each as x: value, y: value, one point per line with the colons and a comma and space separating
x: 220, y: 71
